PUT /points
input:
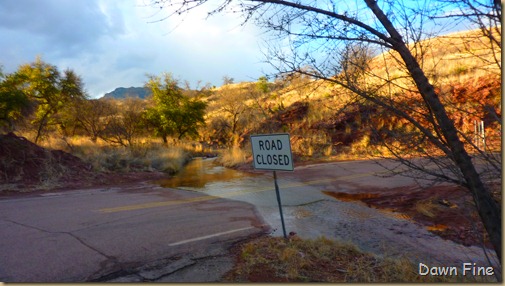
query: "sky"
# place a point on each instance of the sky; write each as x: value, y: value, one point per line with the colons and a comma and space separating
x: 116, y: 43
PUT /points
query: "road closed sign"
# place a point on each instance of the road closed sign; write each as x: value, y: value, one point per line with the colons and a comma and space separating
x: 272, y: 152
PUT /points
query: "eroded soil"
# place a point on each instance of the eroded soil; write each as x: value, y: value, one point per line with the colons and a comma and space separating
x: 27, y: 168
x: 447, y: 211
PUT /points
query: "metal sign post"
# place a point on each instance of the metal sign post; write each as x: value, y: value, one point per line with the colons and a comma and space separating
x: 273, y: 152
x: 280, y: 204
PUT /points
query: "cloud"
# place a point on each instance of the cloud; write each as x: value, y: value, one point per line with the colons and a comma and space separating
x: 113, y: 43
x: 213, y: 47
x: 65, y: 28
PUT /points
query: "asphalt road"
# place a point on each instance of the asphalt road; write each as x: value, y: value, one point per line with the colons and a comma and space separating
x: 143, y: 233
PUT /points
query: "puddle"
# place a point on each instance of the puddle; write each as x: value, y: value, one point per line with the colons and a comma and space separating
x: 393, y: 213
x: 199, y: 172
x: 437, y: 227
x: 346, y: 197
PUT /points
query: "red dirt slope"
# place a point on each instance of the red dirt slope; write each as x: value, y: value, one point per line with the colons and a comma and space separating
x: 25, y: 164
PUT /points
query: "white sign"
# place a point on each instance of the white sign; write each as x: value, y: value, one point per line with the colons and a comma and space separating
x: 272, y: 152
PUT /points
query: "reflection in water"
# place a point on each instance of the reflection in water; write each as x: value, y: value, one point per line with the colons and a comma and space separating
x: 199, y: 172
x: 346, y: 197
x: 437, y: 227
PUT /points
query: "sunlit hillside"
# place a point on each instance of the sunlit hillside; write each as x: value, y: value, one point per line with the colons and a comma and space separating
x: 324, y: 119
x: 448, y: 59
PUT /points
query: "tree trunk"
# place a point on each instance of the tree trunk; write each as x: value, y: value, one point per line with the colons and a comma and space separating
x: 488, y: 209
x: 41, y: 126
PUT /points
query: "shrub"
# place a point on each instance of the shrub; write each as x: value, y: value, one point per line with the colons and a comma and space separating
x: 233, y: 157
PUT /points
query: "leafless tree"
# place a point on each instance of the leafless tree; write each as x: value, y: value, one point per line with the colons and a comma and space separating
x: 94, y: 116
x: 127, y: 123
x: 233, y: 102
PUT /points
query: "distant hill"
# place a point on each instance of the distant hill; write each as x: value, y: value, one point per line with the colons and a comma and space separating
x: 123, y: 92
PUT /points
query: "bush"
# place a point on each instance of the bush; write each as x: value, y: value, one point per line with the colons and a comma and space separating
x: 232, y: 157
x: 275, y: 259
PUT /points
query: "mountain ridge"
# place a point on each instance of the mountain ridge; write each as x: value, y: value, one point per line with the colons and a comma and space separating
x: 126, y: 92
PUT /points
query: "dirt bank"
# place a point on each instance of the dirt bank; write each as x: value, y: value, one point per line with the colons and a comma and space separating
x: 27, y: 168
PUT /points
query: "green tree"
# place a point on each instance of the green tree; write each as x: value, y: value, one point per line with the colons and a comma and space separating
x: 173, y: 113
x: 262, y: 84
x: 12, y: 102
x: 72, y: 98
x: 50, y: 90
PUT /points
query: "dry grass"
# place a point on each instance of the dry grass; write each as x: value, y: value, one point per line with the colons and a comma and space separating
x: 449, y: 59
x: 52, y: 171
x: 233, y: 157
x: 275, y: 259
x: 147, y: 155
x: 427, y: 208
x: 314, y: 145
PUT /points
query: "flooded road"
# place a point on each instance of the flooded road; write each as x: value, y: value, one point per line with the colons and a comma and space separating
x: 201, y: 173
x: 310, y: 212
x: 206, y: 176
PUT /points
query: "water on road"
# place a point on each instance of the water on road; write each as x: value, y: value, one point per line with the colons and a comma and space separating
x: 310, y: 213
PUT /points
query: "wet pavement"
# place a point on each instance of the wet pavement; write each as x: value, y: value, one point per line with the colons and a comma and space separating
x: 311, y: 213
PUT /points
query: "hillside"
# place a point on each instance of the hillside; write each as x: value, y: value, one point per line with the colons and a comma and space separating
x: 325, y: 119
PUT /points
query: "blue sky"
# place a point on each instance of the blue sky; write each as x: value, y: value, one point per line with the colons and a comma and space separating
x: 113, y: 43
